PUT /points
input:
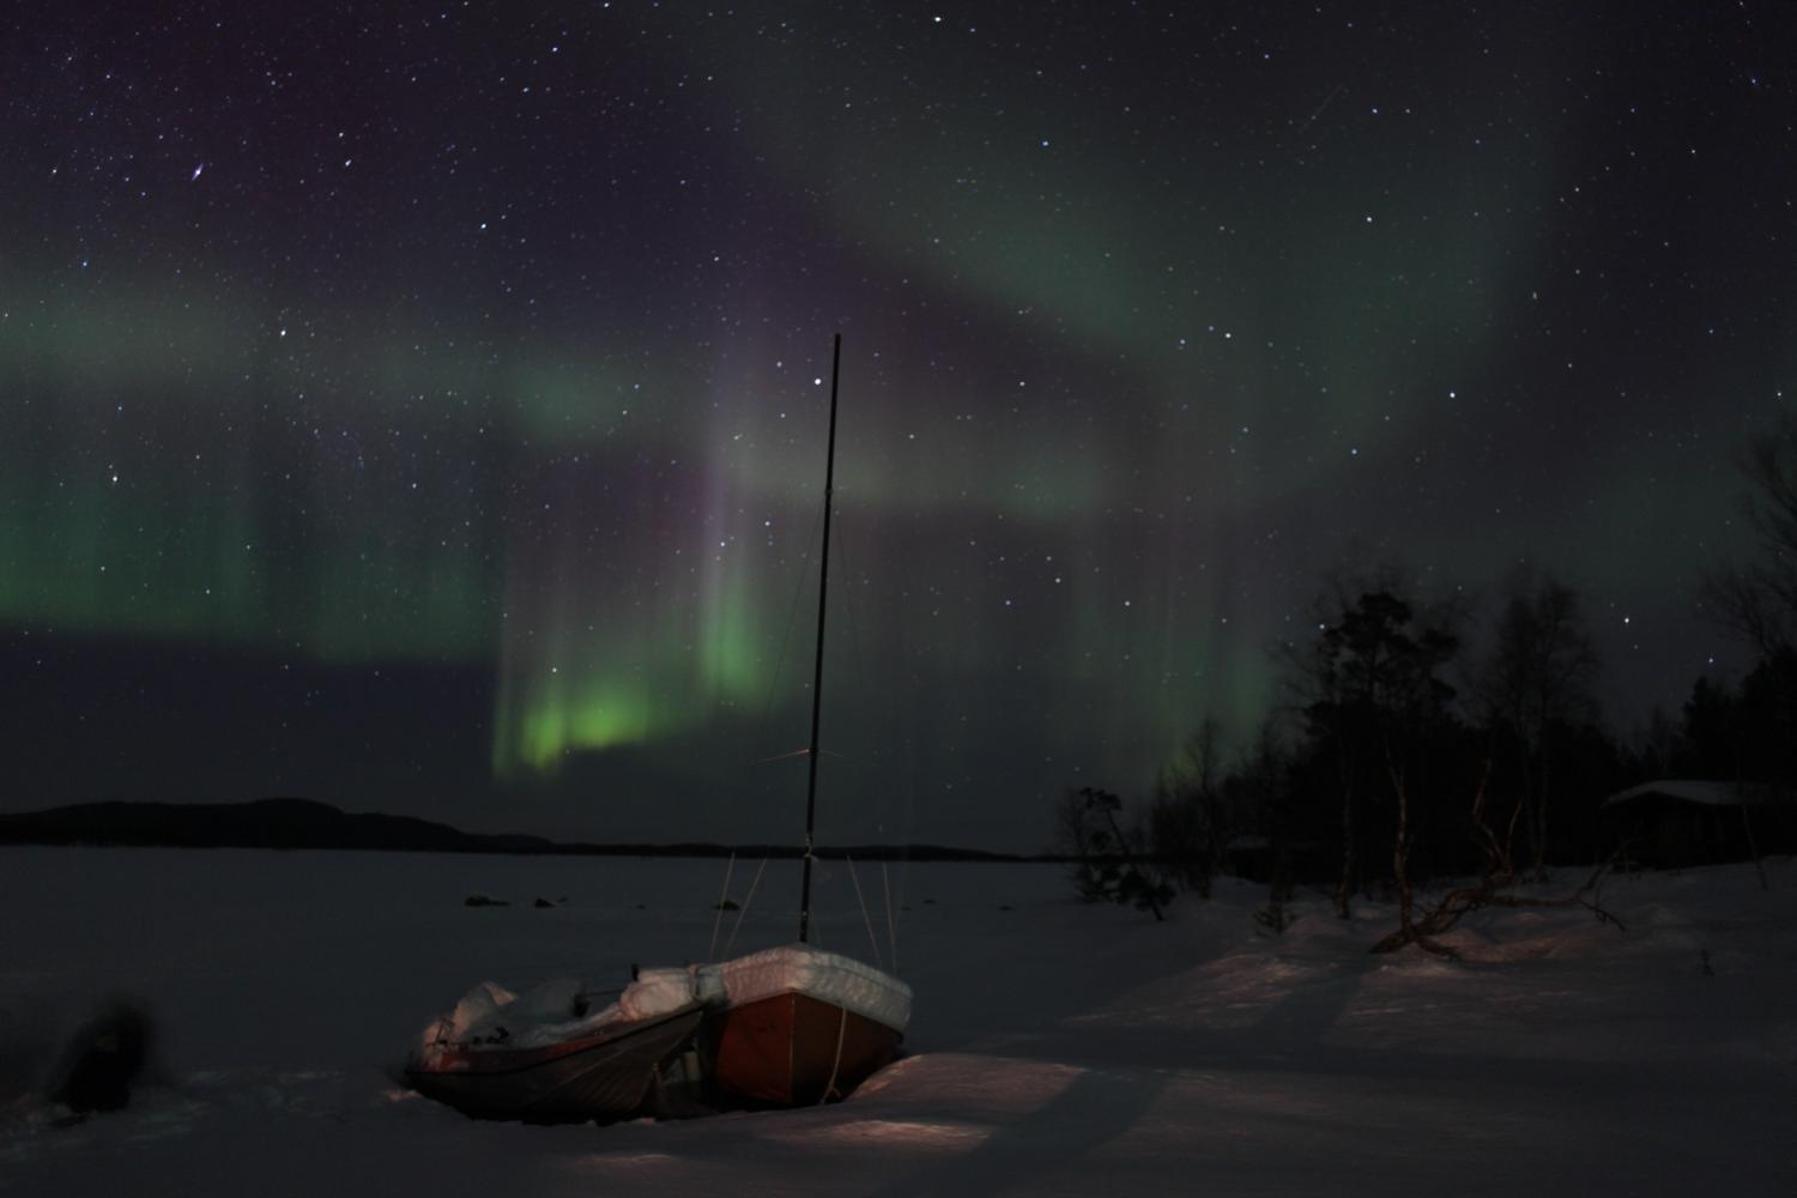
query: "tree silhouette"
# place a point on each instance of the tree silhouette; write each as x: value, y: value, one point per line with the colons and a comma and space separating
x: 1534, y: 687
x: 1374, y: 674
x: 1109, y: 868
x: 1758, y: 601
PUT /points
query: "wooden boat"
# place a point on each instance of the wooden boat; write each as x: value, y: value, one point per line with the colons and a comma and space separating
x: 601, y: 1068
x: 801, y: 1026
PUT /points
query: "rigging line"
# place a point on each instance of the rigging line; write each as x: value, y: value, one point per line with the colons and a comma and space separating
x: 798, y: 753
x: 781, y: 756
x: 718, y: 920
x: 891, y: 922
x: 747, y: 899
x: 842, y: 1028
x: 872, y: 941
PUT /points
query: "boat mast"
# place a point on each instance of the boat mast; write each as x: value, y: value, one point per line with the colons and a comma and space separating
x: 817, y: 668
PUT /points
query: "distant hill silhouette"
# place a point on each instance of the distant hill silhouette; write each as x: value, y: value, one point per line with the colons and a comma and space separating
x: 262, y: 824
x: 288, y: 823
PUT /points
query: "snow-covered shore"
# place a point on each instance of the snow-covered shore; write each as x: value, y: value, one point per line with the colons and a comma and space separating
x: 1057, y: 1048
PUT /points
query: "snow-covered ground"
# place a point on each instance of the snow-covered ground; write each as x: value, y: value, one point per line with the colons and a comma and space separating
x: 1056, y: 1049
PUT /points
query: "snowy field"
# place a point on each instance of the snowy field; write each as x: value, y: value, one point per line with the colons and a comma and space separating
x: 1057, y: 1048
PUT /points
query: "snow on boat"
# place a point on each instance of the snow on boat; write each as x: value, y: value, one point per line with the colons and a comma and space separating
x: 788, y: 1026
x: 547, y: 1057
x: 799, y: 1026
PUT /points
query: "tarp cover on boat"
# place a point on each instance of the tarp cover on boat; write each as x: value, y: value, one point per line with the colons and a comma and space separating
x: 841, y: 981
x: 561, y: 1009
x: 490, y: 1016
x: 658, y: 991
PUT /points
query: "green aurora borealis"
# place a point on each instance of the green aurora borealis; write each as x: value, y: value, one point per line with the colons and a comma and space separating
x: 482, y: 349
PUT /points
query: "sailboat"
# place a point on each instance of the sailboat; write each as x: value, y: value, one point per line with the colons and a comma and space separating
x: 799, y: 1025
x: 787, y: 1026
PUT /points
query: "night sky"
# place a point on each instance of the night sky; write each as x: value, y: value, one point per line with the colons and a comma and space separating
x: 422, y: 407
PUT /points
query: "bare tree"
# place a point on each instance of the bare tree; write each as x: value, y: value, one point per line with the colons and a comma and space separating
x: 1462, y: 901
x: 1495, y: 889
x: 1109, y: 867
x: 1316, y: 694
x: 1266, y: 796
x: 1374, y: 673
x: 1535, y: 682
x: 1187, y: 824
x: 1758, y: 601
x: 1075, y: 837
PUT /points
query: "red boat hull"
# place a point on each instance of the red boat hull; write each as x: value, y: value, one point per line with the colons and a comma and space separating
x: 795, y: 1050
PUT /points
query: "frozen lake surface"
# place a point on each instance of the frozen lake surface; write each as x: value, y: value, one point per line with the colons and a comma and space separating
x: 1057, y: 1048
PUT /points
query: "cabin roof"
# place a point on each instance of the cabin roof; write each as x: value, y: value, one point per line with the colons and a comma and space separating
x: 1707, y: 792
